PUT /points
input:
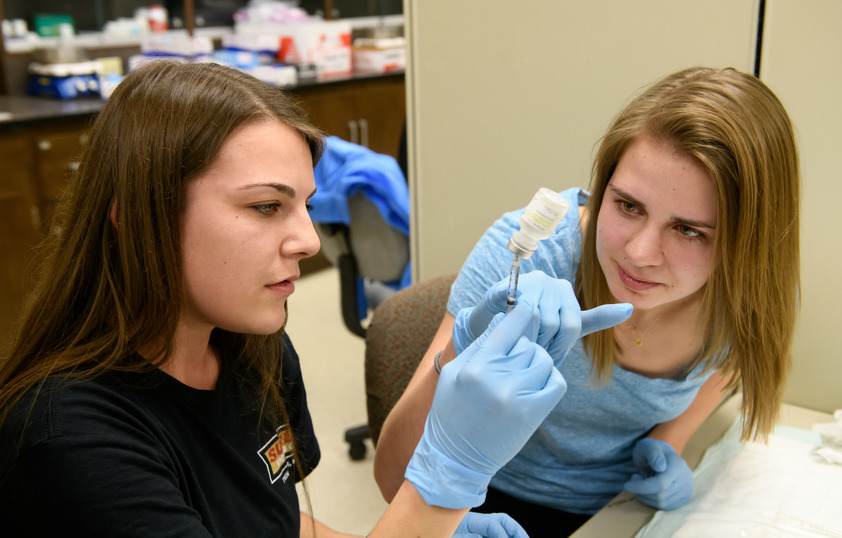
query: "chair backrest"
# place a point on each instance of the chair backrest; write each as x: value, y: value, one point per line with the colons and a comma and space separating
x: 381, y: 252
x: 368, y: 252
x: 361, y: 213
x: 399, y: 333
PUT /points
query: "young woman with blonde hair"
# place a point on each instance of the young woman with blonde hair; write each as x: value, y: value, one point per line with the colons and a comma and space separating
x: 692, y: 217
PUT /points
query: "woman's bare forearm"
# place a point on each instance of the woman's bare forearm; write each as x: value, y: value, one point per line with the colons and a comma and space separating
x: 677, y: 432
x: 407, y: 515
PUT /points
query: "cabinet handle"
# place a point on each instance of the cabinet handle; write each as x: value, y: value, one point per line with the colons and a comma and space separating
x: 45, y: 145
x: 35, y: 215
x: 352, y: 129
x: 72, y: 166
x: 363, y: 132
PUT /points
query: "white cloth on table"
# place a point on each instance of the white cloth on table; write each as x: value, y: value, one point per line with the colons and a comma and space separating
x: 753, y: 490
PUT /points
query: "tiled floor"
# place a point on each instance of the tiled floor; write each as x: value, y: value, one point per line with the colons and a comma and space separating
x: 342, y: 492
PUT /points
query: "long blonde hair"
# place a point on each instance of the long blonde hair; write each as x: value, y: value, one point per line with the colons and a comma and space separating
x: 739, y: 131
x: 106, y: 290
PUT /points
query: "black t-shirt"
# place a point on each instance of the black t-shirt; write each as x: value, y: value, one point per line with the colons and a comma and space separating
x: 144, y: 455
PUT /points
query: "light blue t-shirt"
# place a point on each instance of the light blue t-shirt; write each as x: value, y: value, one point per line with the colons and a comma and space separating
x: 580, y: 457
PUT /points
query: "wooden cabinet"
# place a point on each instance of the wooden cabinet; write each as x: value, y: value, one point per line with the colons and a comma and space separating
x: 369, y: 112
x: 19, y: 229
x: 36, y: 162
x: 57, y: 152
x: 38, y: 157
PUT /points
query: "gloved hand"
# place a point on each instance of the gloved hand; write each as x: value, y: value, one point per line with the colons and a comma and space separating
x: 562, y: 320
x: 663, y: 479
x: 488, y: 402
x: 489, y: 526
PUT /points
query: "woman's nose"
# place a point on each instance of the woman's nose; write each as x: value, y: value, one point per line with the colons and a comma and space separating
x: 305, y: 242
x: 645, y: 247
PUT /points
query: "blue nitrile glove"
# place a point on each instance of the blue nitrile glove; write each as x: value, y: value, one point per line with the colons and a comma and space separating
x: 663, y: 479
x: 489, y: 400
x: 562, y: 320
x: 489, y: 526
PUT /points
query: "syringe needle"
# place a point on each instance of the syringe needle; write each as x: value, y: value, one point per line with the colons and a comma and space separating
x: 511, y: 296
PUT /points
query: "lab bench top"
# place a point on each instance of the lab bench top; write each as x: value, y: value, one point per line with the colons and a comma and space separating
x: 26, y: 109
x: 18, y: 109
x: 624, y: 516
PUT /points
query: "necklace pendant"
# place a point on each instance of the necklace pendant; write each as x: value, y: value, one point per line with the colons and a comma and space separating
x: 638, y: 342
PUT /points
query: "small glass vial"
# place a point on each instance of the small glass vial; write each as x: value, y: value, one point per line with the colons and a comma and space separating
x: 539, y: 219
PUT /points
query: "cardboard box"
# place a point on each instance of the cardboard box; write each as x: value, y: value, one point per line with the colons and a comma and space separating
x: 323, y: 45
x: 377, y: 60
x: 196, y: 48
x: 266, y: 46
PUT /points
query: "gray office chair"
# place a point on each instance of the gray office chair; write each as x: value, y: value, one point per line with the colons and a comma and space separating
x: 368, y: 252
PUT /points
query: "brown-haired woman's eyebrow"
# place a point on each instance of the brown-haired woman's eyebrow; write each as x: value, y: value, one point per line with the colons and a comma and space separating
x: 280, y: 187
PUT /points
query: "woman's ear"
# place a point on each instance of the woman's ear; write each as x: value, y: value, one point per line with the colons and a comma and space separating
x: 112, y: 214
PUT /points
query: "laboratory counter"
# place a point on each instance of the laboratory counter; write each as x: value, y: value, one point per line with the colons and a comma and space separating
x: 18, y: 109
x: 27, y: 109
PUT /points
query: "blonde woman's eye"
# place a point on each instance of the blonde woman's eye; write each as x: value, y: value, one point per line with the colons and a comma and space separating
x: 627, y: 207
x: 689, y: 232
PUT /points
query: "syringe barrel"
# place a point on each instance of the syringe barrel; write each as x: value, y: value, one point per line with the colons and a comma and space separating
x: 511, y: 295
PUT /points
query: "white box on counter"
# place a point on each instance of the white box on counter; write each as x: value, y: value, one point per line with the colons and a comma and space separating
x: 368, y: 60
x: 324, y: 45
x: 379, y: 55
x: 196, y: 48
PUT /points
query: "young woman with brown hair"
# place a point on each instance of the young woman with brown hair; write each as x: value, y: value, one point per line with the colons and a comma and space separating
x: 151, y: 389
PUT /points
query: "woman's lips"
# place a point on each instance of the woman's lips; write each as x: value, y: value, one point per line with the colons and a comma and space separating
x: 285, y: 287
x: 633, y: 283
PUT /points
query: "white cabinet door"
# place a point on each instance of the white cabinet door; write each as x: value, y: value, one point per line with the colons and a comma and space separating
x: 801, y: 61
x: 505, y: 97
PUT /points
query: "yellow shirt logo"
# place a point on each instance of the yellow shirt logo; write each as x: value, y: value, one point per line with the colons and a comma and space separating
x: 278, y: 455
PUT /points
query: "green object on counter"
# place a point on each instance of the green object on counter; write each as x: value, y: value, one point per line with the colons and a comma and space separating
x: 49, y: 25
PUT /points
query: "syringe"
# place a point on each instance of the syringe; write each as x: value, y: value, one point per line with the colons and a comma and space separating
x: 539, y: 219
x: 511, y: 296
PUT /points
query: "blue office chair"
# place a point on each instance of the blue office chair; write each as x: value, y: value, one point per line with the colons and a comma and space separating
x: 361, y: 213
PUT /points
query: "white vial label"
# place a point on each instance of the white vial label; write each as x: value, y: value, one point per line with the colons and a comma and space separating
x: 545, y: 212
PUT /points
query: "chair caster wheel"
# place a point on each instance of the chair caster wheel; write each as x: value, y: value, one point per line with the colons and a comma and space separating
x: 357, y: 450
x: 355, y: 437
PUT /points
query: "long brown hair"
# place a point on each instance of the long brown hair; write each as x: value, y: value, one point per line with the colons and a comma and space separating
x: 110, y: 280
x: 739, y: 131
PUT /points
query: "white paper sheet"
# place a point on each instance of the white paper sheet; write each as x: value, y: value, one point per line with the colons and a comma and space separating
x: 755, y: 490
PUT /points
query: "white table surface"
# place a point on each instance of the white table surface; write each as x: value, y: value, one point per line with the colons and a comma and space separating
x: 625, y: 515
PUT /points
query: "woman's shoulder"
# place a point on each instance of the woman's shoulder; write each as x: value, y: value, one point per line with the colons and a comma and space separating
x: 559, y: 255
x: 568, y: 229
x: 490, y: 259
x: 64, y: 405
